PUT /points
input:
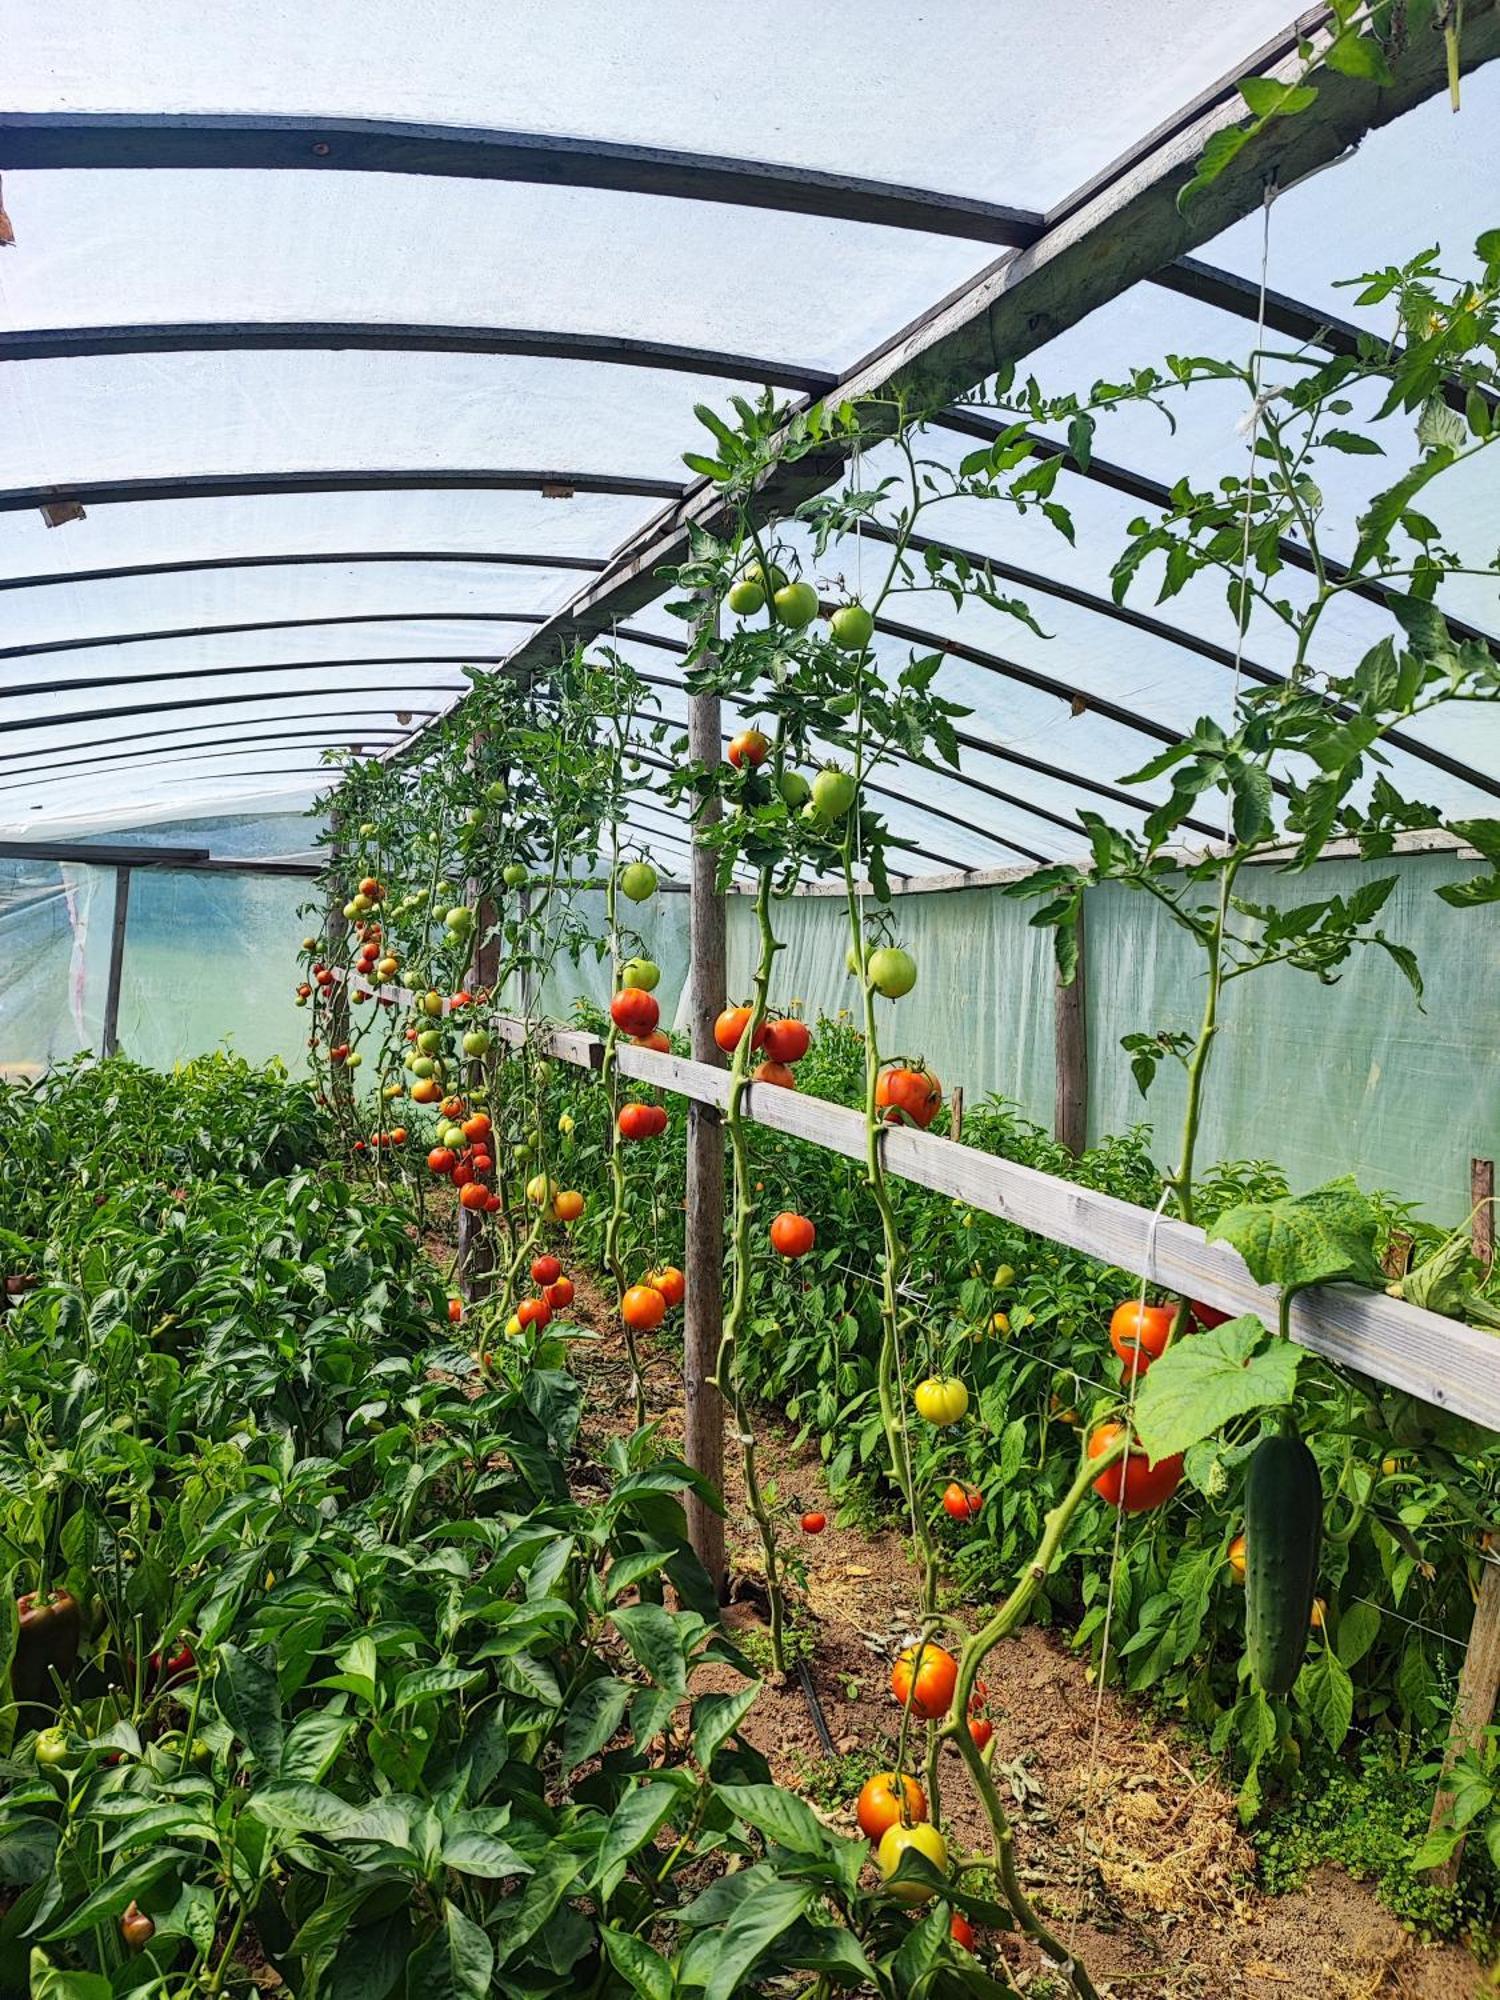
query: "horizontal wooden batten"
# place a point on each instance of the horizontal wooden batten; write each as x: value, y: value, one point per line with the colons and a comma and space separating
x: 1442, y: 1361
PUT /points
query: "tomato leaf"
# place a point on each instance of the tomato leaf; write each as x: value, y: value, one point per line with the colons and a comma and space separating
x: 1204, y: 1380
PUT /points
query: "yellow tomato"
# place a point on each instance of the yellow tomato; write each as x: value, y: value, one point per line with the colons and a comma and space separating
x: 565, y: 1123
x: 941, y: 1399
x: 540, y: 1190
x: 1236, y: 1558
x: 898, y: 1840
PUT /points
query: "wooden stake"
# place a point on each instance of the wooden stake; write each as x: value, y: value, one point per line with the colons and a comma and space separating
x: 1071, y: 1098
x: 956, y: 1114
x: 1478, y: 1688
x: 703, y: 1323
x: 109, y: 1037
x: 1482, y: 1202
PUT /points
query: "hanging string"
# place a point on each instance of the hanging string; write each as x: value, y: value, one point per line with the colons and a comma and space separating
x: 1242, y: 618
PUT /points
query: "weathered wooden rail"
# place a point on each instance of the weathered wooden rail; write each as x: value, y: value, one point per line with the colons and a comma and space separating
x: 1443, y: 1361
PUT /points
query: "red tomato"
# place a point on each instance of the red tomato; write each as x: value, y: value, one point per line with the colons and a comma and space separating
x: 658, y: 1039
x: 730, y: 1027
x: 792, y: 1235
x: 908, y: 1094
x: 442, y: 1160
x: 1207, y: 1317
x: 634, y: 1011
x: 642, y: 1121
x: 814, y: 1524
x: 477, y: 1126
x: 545, y: 1270
x: 492, y: 1203
x: 534, y: 1312
x: 483, y: 1164
x: 981, y: 1729
x: 463, y: 1175
x: 1148, y: 1328
x: 961, y: 1931
x: 455, y: 1311
x: 559, y: 1294
x: 471, y: 1195
x: 749, y: 749
x: 962, y: 1502
x: 787, y: 1041
x: 1133, y: 1482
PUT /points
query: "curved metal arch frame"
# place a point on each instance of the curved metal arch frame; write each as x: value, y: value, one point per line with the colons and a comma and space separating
x: 19, y: 757
x: 12, y: 780
x: 233, y: 485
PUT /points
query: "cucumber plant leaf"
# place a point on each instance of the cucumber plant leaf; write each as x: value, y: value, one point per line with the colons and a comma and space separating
x: 1305, y: 1239
x: 1204, y: 1381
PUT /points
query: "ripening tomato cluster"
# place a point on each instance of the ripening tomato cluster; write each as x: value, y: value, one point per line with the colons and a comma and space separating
x: 646, y: 1305
x: 781, y: 1042
x: 1140, y: 1333
x: 462, y: 1155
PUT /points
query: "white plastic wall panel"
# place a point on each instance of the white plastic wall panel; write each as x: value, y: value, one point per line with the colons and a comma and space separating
x: 1016, y: 104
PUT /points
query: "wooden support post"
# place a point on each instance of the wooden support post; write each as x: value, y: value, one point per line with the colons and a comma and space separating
x: 1070, y: 1121
x: 956, y: 1114
x: 1478, y: 1688
x: 1482, y: 1202
x: 109, y: 1038
x: 704, y: 1248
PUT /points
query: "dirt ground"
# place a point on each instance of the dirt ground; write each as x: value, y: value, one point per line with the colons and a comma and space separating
x: 1128, y: 1843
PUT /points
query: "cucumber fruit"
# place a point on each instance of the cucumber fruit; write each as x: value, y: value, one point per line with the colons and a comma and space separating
x: 1283, y: 1536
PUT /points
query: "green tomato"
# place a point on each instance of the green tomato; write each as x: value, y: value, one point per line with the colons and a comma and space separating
x: 893, y: 971
x: 353, y: 1059
x: 746, y: 597
x: 52, y: 1749
x: 351, y: 910
x: 430, y: 1041
x: 638, y: 881
x: 796, y: 605
x: 794, y: 789
x: 453, y: 1136
x: 852, y: 628
x: 423, y: 1066
x: 477, y: 1042
x: 496, y: 793
x: 475, y: 815
x: 459, y: 918
x: 755, y: 574
x: 517, y: 875
x: 832, y: 792
x: 642, y: 972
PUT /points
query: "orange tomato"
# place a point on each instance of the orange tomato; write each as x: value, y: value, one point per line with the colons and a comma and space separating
x: 568, y: 1205
x: 787, y: 1041
x: 908, y: 1094
x: 776, y: 1073
x: 887, y: 1800
x: 792, y: 1235
x: 730, y: 1027
x: 642, y: 1308
x: 925, y: 1677
x: 670, y: 1282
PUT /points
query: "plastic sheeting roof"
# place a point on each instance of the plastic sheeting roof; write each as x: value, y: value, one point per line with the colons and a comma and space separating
x: 311, y: 412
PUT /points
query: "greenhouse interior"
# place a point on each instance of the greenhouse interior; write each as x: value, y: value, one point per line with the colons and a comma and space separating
x: 670, y: 1326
